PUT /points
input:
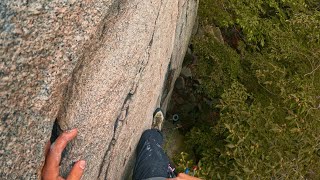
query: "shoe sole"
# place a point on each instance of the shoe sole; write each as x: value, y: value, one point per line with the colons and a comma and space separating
x: 158, y: 119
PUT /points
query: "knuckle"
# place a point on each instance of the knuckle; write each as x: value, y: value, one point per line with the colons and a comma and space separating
x: 55, y: 150
x: 62, y: 139
x: 64, y: 136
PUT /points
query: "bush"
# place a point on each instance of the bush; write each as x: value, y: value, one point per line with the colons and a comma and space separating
x: 268, y: 85
x: 256, y: 142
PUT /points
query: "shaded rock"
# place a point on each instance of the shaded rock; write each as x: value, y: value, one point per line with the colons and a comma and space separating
x: 180, y: 83
x: 102, y: 66
x: 189, y: 58
x: 187, y: 107
x: 179, y: 100
x: 186, y: 72
x: 192, y: 98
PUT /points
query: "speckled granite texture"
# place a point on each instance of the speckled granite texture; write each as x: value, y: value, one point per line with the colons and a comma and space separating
x: 102, y: 66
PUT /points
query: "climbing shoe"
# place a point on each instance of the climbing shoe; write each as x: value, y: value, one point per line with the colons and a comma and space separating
x: 158, y: 119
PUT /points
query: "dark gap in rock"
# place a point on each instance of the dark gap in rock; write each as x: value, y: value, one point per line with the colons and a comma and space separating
x: 56, y: 130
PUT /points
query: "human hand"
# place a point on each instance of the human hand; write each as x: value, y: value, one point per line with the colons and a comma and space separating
x: 182, y: 176
x: 50, y: 170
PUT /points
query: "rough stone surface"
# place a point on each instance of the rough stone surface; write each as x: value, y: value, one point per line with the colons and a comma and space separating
x: 102, y: 66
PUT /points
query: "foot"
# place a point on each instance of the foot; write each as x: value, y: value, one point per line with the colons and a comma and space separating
x: 158, y: 119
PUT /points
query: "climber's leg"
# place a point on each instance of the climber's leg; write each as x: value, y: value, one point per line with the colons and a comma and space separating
x: 151, y: 159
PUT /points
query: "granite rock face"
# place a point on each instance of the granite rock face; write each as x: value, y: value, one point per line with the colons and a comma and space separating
x: 102, y: 66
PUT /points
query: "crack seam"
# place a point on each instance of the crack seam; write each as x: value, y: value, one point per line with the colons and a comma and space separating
x: 125, y: 107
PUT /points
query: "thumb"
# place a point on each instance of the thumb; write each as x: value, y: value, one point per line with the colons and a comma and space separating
x: 77, y: 170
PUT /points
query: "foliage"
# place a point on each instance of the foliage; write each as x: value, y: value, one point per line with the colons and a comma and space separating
x: 268, y: 85
x: 255, y: 142
x: 218, y: 64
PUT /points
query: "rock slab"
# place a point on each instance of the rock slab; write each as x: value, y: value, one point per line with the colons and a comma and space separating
x: 102, y: 66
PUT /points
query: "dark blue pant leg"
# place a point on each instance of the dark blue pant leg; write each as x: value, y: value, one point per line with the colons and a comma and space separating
x: 151, y: 159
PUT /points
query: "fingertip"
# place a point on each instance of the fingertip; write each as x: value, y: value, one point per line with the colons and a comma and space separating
x: 72, y: 131
x: 69, y: 134
x: 82, y: 164
x: 77, y: 170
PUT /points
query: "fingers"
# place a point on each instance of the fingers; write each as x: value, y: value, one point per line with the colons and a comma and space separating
x: 46, y: 151
x: 51, y: 167
x: 182, y: 176
x: 77, y: 170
